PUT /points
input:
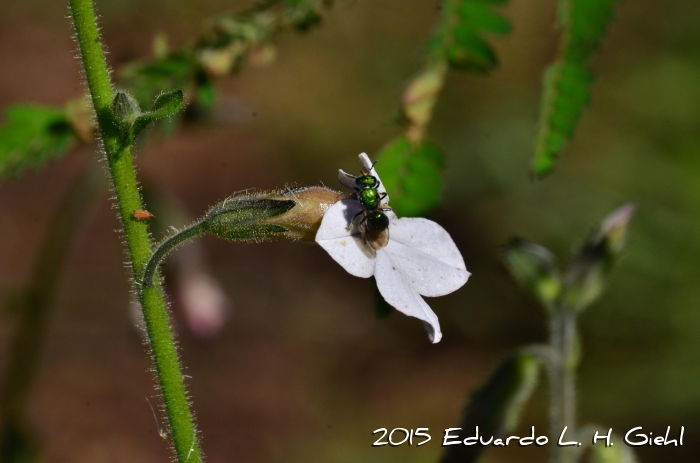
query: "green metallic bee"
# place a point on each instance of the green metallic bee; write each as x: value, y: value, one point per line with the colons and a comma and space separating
x: 374, y: 224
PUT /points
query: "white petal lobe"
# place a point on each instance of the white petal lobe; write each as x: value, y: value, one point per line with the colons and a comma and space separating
x: 426, y: 274
x: 399, y: 293
x: 428, y: 237
x: 345, y: 246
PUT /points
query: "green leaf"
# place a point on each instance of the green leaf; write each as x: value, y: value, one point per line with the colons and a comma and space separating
x: 206, y: 92
x: 566, y: 83
x: 496, y: 406
x: 412, y: 175
x: 479, y: 15
x: 166, y: 104
x: 460, y: 40
x: 31, y: 136
x: 534, y: 267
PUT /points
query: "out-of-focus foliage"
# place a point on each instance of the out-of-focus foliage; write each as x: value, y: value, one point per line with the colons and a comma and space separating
x: 230, y: 40
x: 601, y: 453
x: 566, y: 87
x: 533, y: 266
x: 31, y: 136
x: 459, y: 39
x: 588, y: 272
x: 413, y: 175
x: 496, y: 406
x: 411, y: 165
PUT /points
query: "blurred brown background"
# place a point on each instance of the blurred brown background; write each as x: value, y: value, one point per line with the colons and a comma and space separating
x: 302, y: 371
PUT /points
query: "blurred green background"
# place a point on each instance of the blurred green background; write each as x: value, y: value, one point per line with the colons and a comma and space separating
x: 302, y: 370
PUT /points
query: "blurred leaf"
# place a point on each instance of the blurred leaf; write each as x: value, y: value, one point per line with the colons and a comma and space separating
x: 615, y: 454
x: 459, y: 38
x: 17, y: 444
x: 31, y: 136
x: 566, y: 85
x: 412, y: 175
x: 145, y: 80
x: 382, y: 309
x: 534, y: 267
x: 206, y: 92
x: 418, y: 100
x: 589, y: 270
x: 495, y: 407
x: 599, y: 453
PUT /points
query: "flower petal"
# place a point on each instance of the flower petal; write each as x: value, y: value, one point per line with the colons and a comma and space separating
x: 427, y: 275
x: 347, y: 180
x: 399, y: 293
x: 346, y: 246
x: 427, y: 256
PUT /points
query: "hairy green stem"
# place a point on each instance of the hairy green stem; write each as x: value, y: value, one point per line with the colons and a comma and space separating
x: 123, y: 176
x: 167, y: 246
x: 562, y: 373
x: 26, y: 344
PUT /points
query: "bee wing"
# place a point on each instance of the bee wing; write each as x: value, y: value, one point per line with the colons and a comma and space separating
x: 377, y: 240
x: 346, y: 179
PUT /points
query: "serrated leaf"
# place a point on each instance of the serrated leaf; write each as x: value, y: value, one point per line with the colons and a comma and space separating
x: 471, y: 52
x: 496, y: 406
x: 412, y: 175
x: 566, y: 83
x: 461, y: 35
x: 31, y: 136
x: 480, y: 16
x: 534, y: 267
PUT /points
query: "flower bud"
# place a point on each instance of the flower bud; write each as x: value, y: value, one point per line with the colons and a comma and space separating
x: 303, y: 220
x: 590, y: 269
x: 294, y: 213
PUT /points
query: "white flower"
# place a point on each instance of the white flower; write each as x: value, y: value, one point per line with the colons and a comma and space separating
x: 420, y: 258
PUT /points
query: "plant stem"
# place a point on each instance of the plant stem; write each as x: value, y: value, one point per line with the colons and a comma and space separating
x: 562, y: 373
x: 25, y: 347
x: 167, y: 246
x: 123, y: 176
